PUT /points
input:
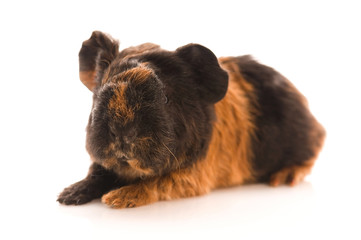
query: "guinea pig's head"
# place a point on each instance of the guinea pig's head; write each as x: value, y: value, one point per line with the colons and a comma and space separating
x: 153, y: 109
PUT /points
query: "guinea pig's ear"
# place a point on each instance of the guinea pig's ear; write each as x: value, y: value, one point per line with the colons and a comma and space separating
x: 211, y: 79
x: 95, y: 56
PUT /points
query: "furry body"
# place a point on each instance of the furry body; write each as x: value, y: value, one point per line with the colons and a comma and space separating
x: 168, y: 125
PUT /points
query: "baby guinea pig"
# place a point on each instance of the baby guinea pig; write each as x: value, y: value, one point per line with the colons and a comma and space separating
x: 174, y: 124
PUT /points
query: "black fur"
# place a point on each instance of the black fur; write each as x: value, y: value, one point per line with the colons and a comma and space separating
x: 97, y: 182
x: 283, y: 124
x: 97, y: 53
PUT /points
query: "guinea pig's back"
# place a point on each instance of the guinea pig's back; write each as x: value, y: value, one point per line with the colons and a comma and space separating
x: 286, y: 134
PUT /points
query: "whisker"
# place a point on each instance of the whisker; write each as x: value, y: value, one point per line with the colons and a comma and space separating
x: 172, y: 155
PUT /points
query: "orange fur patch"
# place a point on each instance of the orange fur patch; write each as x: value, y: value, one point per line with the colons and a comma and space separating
x: 88, y: 79
x: 118, y: 104
x: 110, y: 163
x: 291, y: 175
x: 294, y: 174
x: 137, y: 75
x: 135, y: 164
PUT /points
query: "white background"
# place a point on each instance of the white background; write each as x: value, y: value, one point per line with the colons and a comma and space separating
x: 44, y: 110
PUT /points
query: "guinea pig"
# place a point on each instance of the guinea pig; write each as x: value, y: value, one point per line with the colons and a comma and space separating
x: 173, y: 124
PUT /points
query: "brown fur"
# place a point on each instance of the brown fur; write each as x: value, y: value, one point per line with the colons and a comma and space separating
x: 111, y: 164
x: 228, y: 161
x: 167, y: 125
x: 143, y: 48
x: 130, y: 169
x: 87, y: 78
x: 226, y: 164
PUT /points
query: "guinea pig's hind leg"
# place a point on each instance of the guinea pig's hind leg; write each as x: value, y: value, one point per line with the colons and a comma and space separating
x: 291, y: 175
x: 97, y: 182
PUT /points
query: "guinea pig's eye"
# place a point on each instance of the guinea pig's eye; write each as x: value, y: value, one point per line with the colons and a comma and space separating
x: 112, y: 135
x: 165, y: 99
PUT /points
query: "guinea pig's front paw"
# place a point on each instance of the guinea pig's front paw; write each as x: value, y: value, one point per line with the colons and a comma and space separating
x: 129, y: 196
x: 76, y: 194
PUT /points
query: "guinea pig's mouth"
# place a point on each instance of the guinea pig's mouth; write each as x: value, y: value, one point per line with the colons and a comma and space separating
x: 123, y: 159
x: 136, y: 165
x: 132, y: 162
x: 121, y: 156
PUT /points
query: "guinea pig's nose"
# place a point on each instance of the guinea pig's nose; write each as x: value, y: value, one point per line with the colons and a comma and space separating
x: 127, y: 140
